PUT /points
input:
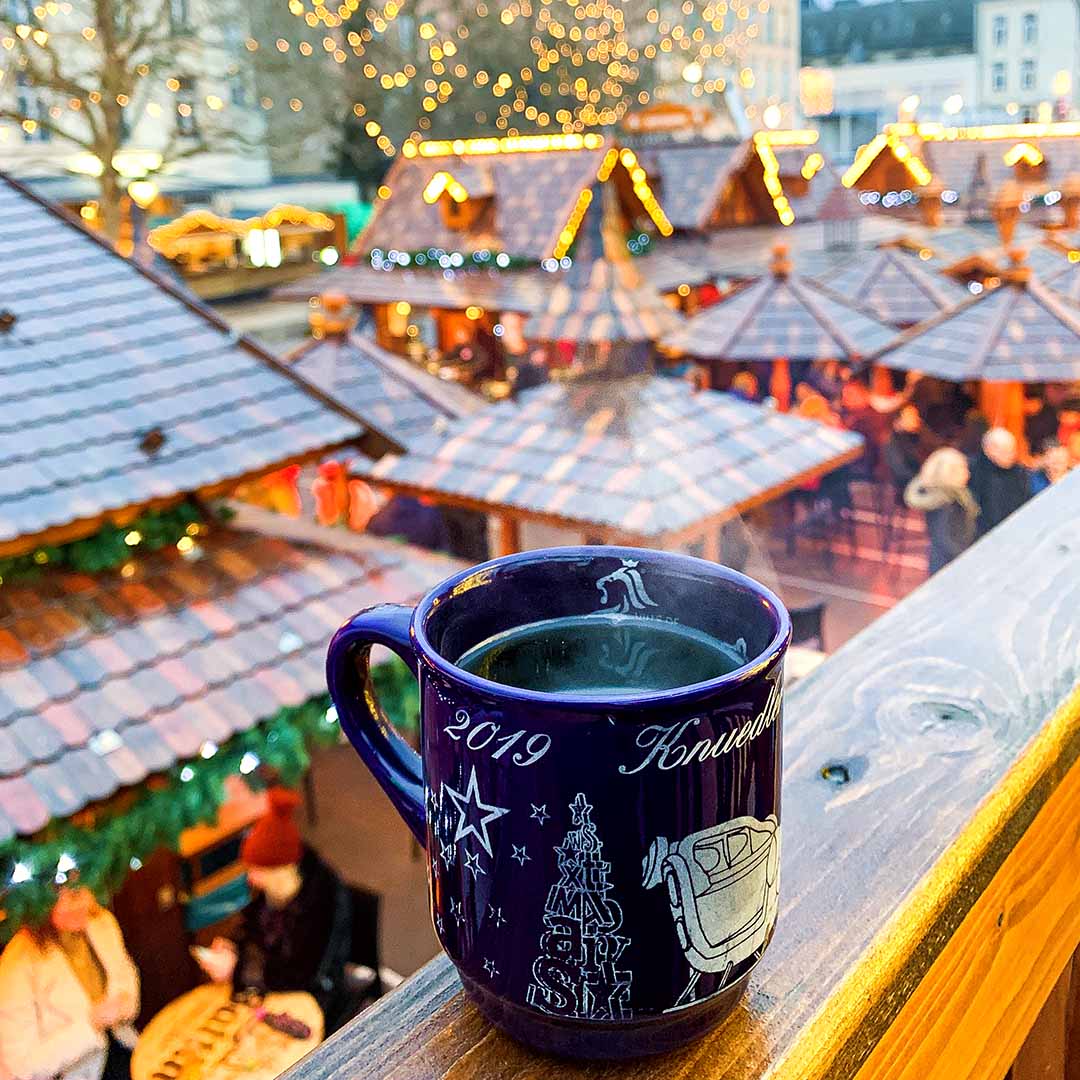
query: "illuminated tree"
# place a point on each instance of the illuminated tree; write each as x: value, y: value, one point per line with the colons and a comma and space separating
x: 90, y: 73
x: 427, y: 68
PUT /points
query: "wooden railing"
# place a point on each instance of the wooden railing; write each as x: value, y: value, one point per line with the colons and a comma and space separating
x: 930, y: 877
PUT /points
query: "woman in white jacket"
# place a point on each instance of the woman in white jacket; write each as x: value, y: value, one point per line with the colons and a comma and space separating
x: 68, y: 994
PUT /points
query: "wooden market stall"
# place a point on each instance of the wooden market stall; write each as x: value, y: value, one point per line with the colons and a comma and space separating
x: 398, y: 398
x: 643, y: 460
x: 427, y: 315
x: 156, y: 664
x: 929, y: 899
x: 219, y: 256
x: 968, y: 167
x: 680, y: 276
x: 779, y: 318
x: 1021, y: 332
x: 772, y: 178
x: 456, y: 243
x: 602, y: 315
x: 608, y: 314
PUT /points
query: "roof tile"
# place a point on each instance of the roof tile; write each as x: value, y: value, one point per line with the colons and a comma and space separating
x: 102, y: 351
x: 151, y: 669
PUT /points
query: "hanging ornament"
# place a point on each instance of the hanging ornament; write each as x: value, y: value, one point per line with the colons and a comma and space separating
x: 331, y: 493
x: 283, y: 490
x: 363, y: 505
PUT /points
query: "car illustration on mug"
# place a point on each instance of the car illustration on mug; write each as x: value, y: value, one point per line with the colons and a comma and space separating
x: 723, y: 888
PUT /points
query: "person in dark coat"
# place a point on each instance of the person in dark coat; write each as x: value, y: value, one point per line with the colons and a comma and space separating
x: 297, y: 930
x: 906, y: 449
x: 859, y: 415
x: 941, y: 492
x: 999, y: 482
x: 1053, y: 465
x: 414, y: 520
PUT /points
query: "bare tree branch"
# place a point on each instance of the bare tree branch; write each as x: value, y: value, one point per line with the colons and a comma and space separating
x: 46, y: 125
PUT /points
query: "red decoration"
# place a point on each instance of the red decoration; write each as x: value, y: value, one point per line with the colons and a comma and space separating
x: 362, y: 505
x: 331, y: 493
x: 283, y: 491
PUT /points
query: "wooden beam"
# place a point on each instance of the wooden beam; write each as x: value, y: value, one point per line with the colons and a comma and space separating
x: 1045, y: 1053
x: 951, y: 728
x: 507, y: 535
x: 1009, y: 955
x: 1002, y: 403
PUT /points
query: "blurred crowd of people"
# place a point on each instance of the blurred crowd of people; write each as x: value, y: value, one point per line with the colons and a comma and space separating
x: 927, y: 442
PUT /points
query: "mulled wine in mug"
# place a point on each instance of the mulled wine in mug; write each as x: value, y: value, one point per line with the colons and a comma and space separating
x: 598, y: 787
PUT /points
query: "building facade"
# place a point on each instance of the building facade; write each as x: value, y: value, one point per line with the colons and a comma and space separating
x: 865, y: 64
x: 957, y: 62
x: 1029, y: 56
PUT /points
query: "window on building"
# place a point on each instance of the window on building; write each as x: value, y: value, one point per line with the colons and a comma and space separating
x: 1027, y: 74
x: 997, y: 77
x: 238, y: 89
x: 32, y: 111
x: 179, y: 15
x: 1001, y: 30
x: 1031, y: 28
x: 186, y: 123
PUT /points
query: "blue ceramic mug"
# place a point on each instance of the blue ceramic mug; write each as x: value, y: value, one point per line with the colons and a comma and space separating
x: 603, y: 870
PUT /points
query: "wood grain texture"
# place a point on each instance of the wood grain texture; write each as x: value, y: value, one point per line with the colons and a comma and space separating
x: 999, y: 990
x: 954, y: 718
x: 1043, y: 1055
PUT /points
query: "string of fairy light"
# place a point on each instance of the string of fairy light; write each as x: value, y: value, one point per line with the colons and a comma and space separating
x: 588, y: 61
x: 581, y: 50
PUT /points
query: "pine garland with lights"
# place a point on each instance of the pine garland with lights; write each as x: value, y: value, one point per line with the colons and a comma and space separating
x: 111, y: 546
x: 104, y: 850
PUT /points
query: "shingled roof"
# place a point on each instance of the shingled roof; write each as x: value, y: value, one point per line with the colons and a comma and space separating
x: 692, y: 178
x: 603, y: 300
x: 894, y: 287
x: 105, y: 680
x: 644, y: 456
x: 1019, y: 332
x: 781, y: 315
x: 398, y: 397
x: 118, y: 390
x: 533, y: 195
x: 973, y: 161
x: 1067, y: 281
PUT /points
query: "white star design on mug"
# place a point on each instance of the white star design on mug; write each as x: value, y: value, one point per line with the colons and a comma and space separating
x: 539, y: 813
x: 464, y: 803
x: 520, y: 854
x: 472, y: 862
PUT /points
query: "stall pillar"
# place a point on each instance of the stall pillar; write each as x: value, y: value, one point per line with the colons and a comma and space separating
x: 507, y: 535
x: 1002, y: 403
x: 780, y: 384
x: 881, y: 381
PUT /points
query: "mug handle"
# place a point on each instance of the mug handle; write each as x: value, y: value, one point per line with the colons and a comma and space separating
x: 395, y: 764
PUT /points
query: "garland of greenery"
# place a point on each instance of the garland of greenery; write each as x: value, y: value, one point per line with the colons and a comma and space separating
x: 111, y: 546
x: 189, y: 794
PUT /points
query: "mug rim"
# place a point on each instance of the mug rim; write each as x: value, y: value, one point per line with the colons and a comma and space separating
x: 616, y: 702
